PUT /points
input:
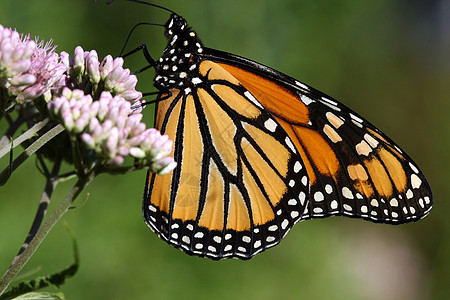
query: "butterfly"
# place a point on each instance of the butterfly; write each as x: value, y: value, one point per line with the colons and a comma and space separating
x: 259, y: 151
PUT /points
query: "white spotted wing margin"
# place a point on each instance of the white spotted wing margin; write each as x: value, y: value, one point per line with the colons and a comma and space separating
x: 235, y: 191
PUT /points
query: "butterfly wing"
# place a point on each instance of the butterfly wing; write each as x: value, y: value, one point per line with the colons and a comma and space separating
x: 353, y: 168
x: 240, y: 183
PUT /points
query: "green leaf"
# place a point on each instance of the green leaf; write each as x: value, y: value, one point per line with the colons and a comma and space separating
x: 41, y: 296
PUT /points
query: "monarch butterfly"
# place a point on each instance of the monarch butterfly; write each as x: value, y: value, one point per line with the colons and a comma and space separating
x: 259, y: 151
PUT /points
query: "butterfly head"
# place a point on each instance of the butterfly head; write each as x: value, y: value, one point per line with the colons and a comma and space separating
x: 181, y: 57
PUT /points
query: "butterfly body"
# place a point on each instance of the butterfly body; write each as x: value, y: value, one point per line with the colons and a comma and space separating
x: 258, y: 151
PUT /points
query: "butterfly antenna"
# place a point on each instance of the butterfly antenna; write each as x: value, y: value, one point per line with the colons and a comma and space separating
x: 131, y: 32
x: 154, y: 5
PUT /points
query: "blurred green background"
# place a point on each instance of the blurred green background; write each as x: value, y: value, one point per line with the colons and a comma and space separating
x: 388, y: 60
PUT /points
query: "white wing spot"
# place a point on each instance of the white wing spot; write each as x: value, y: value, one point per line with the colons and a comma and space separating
x: 217, y: 239
x: 334, y: 204
x: 374, y: 203
x: 253, y: 99
x: 393, y: 202
x: 290, y: 145
x: 306, y: 100
x: 284, y: 224
x: 246, y: 239
x: 328, y: 189
x: 228, y: 248
x: 228, y: 236
x: 415, y: 181
x: 273, y: 228
x: 357, y: 119
x: 414, y: 168
x: 421, y: 203
x: 357, y: 124
x: 152, y: 208
x: 302, y: 198
x: 347, y: 207
x: 186, y: 239
x: 297, y: 167
x: 329, y: 101
x: 364, y: 209
x: 199, y: 235
x: 347, y: 193
x: 304, y: 180
x: 270, y: 125
x: 257, y: 244
x: 331, y: 106
x: 318, y: 210
x: 294, y: 214
x: 303, y: 86
x: 409, y: 194
x: 292, y: 202
x: 270, y: 239
x: 291, y: 182
x: 318, y: 196
x: 196, y: 80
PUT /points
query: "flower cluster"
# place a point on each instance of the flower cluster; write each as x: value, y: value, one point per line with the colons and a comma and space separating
x: 27, y: 69
x: 94, y: 77
x: 96, y: 102
x: 112, y: 131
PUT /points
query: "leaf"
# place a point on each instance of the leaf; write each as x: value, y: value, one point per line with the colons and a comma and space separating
x: 41, y: 296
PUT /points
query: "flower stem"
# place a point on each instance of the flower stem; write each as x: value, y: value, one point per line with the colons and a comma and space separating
x: 46, y: 137
x: 43, y: 204
x: 25, y: 136
x: 20, y: 262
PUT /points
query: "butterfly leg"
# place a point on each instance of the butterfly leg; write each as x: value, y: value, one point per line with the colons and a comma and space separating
x: 148, y: 58
x: 152, y: 63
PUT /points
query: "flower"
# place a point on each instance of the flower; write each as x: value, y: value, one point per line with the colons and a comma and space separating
x: 28, y: 69
x: 109, y: 128
x: 94, y: 77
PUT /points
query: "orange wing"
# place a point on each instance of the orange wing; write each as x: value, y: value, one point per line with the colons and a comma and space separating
x: 240, y: 184
x: 353, y: 168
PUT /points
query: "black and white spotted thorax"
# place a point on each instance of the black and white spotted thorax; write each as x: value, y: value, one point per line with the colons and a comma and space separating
x: 178, y: 66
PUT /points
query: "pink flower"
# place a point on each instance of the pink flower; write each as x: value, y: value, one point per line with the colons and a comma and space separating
x: 94, y: 77
x: 27, y: 69
x: 109, y: 128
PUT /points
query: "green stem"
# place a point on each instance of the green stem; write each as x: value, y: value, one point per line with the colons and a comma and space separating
x: 46, y: 137
x: 25, y: 136
x: 20, y: 262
